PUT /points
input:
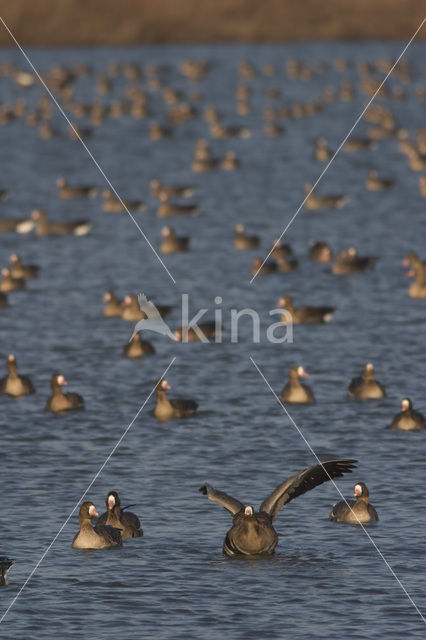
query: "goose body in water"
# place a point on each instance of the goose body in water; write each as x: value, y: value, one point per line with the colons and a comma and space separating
x: 116, y: 516
x: 100, y: 537
x: 357, y: 511
x: 252, y: 532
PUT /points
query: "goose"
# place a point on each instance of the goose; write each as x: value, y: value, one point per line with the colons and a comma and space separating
x: 67, y: 191
x: 137, y: 347
x: 172, y: 243
x: 374, y: 183
x: 158, y: 188
x: 167, y: 409
x: 18, y: 270
x: 357, y: 511
x: 58, y: 401
x: 296, y: 392
x: 116, y: 516
x: 14, y: 384
x: 5, y: 565
x: 305, y: 315
x: 418, y: 288
x: 252, y: 532
x: 45, y: 228
x: 101, y: 537
x: 408, y: 419
x: 114, y: 205
x: 314, y: 202
x: 9, y: 283
x: 168, y: 208
x: 113, y: 307
x: 243, y: 241
x: 320, y: 252
x: 366, y: 386
x: 189, y: 334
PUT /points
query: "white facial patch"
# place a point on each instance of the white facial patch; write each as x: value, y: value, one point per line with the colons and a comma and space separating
x: 92, y: 510
x: 405, y: 404
x: 248, y: 511
x: 358, y: 490
x: 61, y: 380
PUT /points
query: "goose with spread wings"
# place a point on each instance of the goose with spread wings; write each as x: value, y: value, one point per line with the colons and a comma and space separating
x: 153, y: 320
x: 252, y: 532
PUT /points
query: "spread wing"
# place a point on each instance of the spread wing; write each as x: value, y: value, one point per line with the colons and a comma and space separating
x: 305, y: 481
x: 148, y: 307
x: 231, y: 504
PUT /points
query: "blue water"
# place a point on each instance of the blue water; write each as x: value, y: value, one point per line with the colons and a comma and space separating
x: 325, y: 580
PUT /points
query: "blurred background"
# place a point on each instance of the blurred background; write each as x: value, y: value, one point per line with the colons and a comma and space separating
x: 129, y: 22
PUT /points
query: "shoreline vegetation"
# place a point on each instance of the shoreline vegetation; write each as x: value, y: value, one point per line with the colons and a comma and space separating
x: 131, y: 22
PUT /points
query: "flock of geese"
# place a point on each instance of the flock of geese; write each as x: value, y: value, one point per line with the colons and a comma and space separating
x: 252, y: 532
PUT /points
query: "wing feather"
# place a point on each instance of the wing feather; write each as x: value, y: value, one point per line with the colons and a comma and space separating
x: 304, y: 481
x: 231, y: 504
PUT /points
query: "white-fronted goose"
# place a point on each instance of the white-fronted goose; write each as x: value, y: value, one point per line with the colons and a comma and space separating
x: 138, y: 347
x: 374, y: 183
x: 359, y: 144
x: 114, y: 205
x: 408, y: 419
x: 167, y: 409
x: 230, y: 161
x: 113, y: 307
x: 418, y: 288
x: 305, y: 315
x: 45, y: 228
x: 252, y: 532
x: 189, y: 334
x: 171, y: 243
x: 159, y: 188
x: 5, y: 565
x: 357, y: 511
x: 320, y: 252
x: 18, y: 270
x: 322, y: 153
x: 314, y: 202
x: 366, y: 386
x: 131, y: 310
x: 101, y: 537
x: 168, y: 208
x: 58, y: 401
x: 9, y: 283
x: 14, y: 384
x: 243, y: 241
x: 296, y: 392
x: 66, y: 191
x: 116, y: 516
x: 261, y: 268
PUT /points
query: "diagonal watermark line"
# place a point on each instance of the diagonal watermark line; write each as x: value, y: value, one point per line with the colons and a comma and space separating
x: 340, y: 146
x: 338, y: 490
x: 95, y: 477
x: 90, y: 154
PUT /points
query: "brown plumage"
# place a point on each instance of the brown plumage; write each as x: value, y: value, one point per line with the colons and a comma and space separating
x: 101, y: 537
x: 58, y: 401
x: 366, y: 386
x: 252, y: 532
x: 116, y: 516
x: 296, y: 392
x: 357, y: 511
x: 14, y: 384
x: 167, y: 409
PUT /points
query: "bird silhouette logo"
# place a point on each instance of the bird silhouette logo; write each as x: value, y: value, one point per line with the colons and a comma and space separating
x: 153, y: 321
